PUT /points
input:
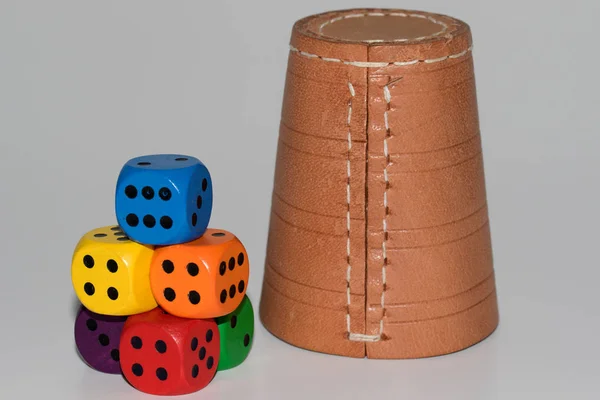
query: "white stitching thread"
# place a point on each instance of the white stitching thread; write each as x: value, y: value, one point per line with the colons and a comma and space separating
x: 375, y: 64
x: 393, y: 14
x: 356, y: 337
x: 349, y: 268
x: 388, y: 99
x: 359, y: 337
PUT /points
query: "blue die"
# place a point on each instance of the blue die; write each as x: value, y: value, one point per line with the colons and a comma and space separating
x: 164, y: 199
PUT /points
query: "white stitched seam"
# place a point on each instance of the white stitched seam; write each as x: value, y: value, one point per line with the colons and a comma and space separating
x: 349, y: 267
x: 356, y: 337
x: 376, y: 64
x: 359, y: 337
x: 393, y: 14
x: 386, y: 210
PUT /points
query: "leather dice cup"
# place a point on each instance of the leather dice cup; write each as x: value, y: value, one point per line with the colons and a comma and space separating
x: 379, y: 240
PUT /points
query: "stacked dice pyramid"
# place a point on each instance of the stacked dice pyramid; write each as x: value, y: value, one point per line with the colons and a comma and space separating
x: 163, y: 296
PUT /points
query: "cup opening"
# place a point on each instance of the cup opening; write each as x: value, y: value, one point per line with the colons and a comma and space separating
x: 372, y: 27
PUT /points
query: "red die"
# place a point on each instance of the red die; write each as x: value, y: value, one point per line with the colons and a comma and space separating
x: 166, y: 355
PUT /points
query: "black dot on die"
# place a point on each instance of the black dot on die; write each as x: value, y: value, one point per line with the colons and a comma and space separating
x: 115, y: 228
x: 204, y: 184
x: 104, y: 340
x: 210, y: 362
x: 120, y: 234
x: 88, y: 261
x: 194, y: 297
x: 164, y: 193
x: 202, y: 353
x: 194, y: 219
x: 195, y: 371
x: 240, y: 259
x: 91, y: 324
x: 168, y: 266
x: 161, y: 374
x: 89, y: 289
x: 241, y: 286
x: 143, y: 163
x: 199, y: 202
x: 222, y: 268
x: 231, y: 263
x: 148, y: 192
x: 169, y: 294
x: 131, y: 191
x: 160, y: 346
x: 100, y: 235
x: 149, y: 221
x: 223, y: 296
x: 233, y: 321
x: 114, y: 354
x: 112, y: 293
x: 136, y: 342
x: 232, y: 291
x: 209, y: 336
x: 194, y: 344
x: 123, y: 239
x: 192, y: 269
x: 166, y: 222
x: 218, y: 234
x: 112, y: 266
x: 246, y: 340
x: 137, y: 369
x: 181, y: 159
x: 132, y: 220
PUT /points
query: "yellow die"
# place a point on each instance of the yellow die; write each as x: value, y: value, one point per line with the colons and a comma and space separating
x: 110, y: 273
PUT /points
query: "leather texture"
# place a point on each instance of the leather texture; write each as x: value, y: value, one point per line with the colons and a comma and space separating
x: 379, y: 241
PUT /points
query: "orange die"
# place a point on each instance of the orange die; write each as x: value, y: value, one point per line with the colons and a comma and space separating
x: 204, y: 278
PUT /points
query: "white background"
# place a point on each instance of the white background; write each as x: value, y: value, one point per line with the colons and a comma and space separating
x: 84, y: 86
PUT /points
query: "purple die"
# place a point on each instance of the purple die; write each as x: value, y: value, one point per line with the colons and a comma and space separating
x: 97, y: 339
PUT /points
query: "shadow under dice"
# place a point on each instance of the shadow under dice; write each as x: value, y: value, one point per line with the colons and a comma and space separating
x: 236, y: 332
x: 166, y: 355
x: 204, y: 278
x: 164, y: 199
x: 110, y: 273
x: 97, y: 339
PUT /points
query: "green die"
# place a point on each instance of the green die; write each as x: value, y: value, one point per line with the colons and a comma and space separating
x: 236, y: 332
